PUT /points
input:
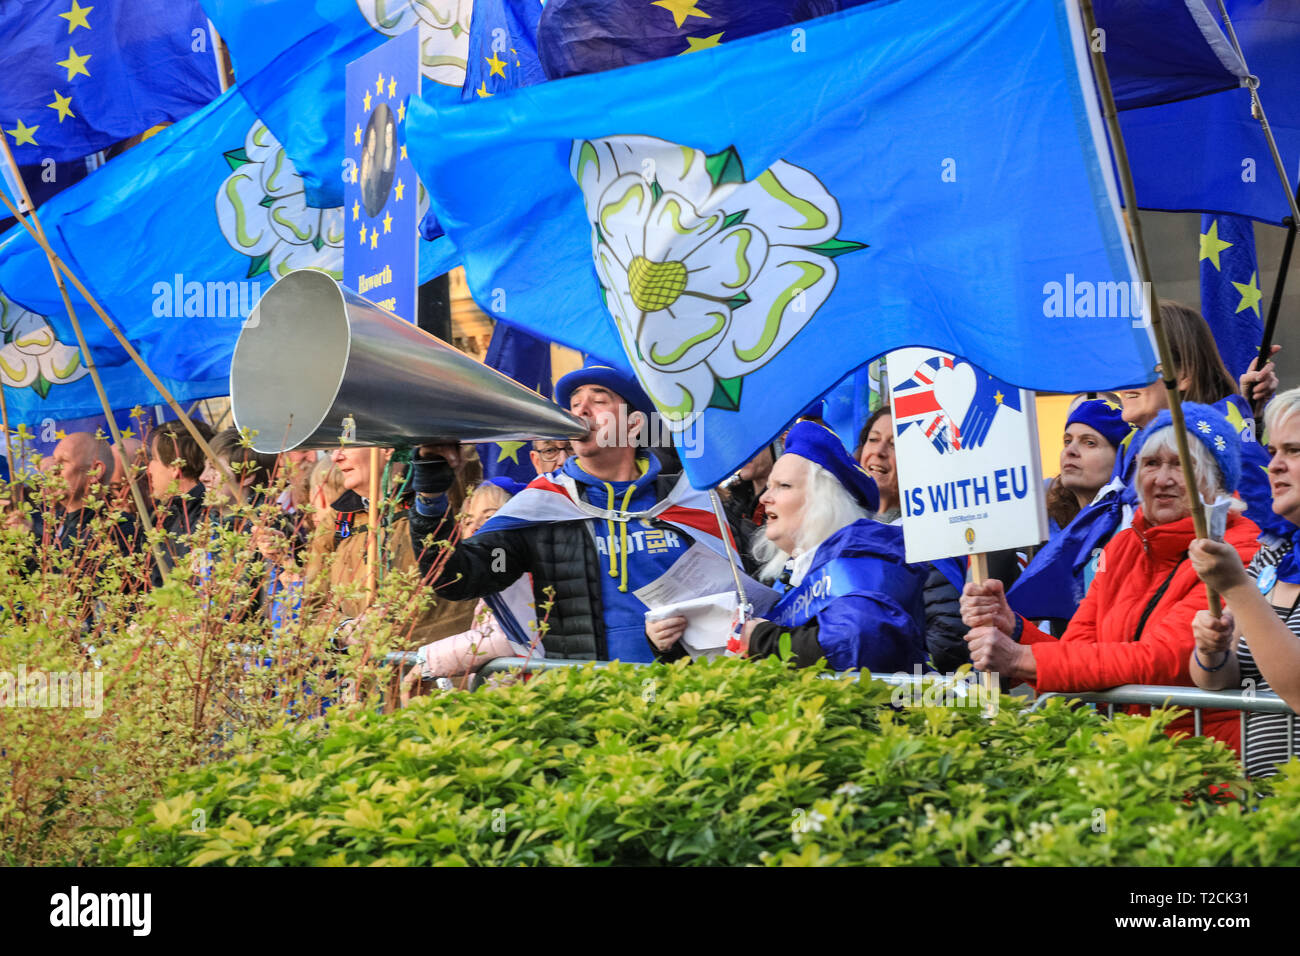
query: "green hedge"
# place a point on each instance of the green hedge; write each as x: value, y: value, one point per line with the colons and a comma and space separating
x: 724, y: 763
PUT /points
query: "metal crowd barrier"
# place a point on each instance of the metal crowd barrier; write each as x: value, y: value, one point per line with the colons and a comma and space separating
x: 1194, y: 699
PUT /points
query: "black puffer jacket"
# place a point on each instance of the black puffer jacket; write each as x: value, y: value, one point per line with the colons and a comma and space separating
x: 558, y: 555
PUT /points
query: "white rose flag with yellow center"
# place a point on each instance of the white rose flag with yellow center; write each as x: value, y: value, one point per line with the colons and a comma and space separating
x: 745, y: 226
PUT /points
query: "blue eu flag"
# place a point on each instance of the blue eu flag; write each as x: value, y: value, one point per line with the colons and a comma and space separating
x: 526, y: 358
x: 80, y: 77
x: 745, y: 226
x: 177, y: 239
x: 502, y: 48
x: 1209, y: 153
x: 1230, y: 293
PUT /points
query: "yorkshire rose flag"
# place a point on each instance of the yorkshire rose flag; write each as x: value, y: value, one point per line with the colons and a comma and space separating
x: 746, y: 225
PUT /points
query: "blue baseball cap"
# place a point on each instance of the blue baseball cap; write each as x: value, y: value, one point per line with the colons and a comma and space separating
x: 823, y: 447
x: 622, y: 384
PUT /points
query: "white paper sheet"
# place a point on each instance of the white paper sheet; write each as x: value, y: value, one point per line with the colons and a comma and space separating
x: 708, y: 622
x: 697, y: 573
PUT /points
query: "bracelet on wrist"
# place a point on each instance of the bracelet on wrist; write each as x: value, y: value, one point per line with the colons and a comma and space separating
x: 1210, y: 670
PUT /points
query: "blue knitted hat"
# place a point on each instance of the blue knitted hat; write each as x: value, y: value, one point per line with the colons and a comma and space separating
x: 1208, y: 426
x: 1103, y: 417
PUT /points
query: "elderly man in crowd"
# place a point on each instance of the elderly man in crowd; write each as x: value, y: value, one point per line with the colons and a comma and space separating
x: 81, y: 462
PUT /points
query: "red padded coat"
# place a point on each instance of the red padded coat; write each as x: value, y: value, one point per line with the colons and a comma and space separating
x: 1097, y: 650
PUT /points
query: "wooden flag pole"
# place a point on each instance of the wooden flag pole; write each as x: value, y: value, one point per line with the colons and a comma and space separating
x: 37, y: 233
x: 85, y: 350
x: 1168, y: 373
x: 979, y: 573
x: 372, y: 540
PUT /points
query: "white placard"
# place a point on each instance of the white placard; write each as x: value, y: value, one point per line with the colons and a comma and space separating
x: 967, y: 456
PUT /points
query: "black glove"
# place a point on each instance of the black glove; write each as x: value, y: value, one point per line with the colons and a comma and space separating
x: 431, y: 476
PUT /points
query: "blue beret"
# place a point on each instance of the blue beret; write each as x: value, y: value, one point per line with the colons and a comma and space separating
x: 506, y: 484
x: 823, y: 447
x: 622, y: 384
x: 1208, y: 426
x: 1103, y: 417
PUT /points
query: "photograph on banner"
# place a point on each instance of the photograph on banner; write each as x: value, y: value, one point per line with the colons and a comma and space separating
x: 967, y: 455
x: 380, y: 190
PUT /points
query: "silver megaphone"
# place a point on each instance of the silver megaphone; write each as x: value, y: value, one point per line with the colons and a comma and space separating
x: 317, y: 365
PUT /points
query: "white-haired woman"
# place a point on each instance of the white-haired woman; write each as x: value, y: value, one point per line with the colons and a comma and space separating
x: 1135, y: 624
x: 849, y: 596
x: 1257, y: 638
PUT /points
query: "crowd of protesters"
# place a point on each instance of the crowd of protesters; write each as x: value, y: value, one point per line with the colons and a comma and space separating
x: 601, y: 555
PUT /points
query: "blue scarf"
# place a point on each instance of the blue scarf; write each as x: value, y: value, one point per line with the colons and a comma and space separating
x: 1288, y: 569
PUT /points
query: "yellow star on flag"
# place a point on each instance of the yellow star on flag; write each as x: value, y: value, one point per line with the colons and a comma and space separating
x: 356, y: 136
x: 403, y: 153
x: 365, y: 102
x: 695, y: 44
x: 60, y: 434
x: 127, y: 434
x: 998, y: 396
x: 1234, y: 417
x: 356, y: 211
x: 398, y: 190
x: 496, y: 65
x: 388, y: 222
x: 75, y: 64
x: 1212, y: 245
x: 62, y: 104
x: 1250, y: 294
x: 23, y: 134
x: 379, y: 85
x: 509, y: 449
x: 354, y: 174
x: 681, y: 9
x: 482, y: 90
x: 401, y: 112
x: 76, y: 17
x: 363, y: 235
x: 392, y: 87
x: 374, y: 238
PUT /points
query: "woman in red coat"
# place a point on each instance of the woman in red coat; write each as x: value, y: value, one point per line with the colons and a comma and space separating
x: 1135, y: 624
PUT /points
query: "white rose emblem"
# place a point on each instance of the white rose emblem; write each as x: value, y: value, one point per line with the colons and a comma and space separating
x: 263, y: 213
x: 444, y: 32
x: 32, y: 356
x: 708, y: 275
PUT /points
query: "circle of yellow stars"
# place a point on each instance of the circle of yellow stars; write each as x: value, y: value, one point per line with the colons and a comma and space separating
x: 1211, y: 246
x: 75, y: 64
x: 399, y: 188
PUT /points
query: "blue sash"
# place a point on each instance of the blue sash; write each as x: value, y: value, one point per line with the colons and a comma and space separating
x: 841, y: 577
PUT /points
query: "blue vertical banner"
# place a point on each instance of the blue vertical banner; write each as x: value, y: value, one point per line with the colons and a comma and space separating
x: 380, y: 189
x: 1231, y: 299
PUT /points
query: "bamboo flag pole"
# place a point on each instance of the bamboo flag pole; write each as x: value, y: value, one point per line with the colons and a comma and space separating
x: 4, y: 421
x: 1168, y: 373
x: 86, y: 357
x: 37, y: 233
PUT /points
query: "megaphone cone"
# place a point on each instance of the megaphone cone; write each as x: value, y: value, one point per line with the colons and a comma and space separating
x: 317, y: 365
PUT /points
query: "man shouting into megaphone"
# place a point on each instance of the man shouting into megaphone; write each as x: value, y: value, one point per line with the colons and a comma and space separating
x: 607, y: 531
